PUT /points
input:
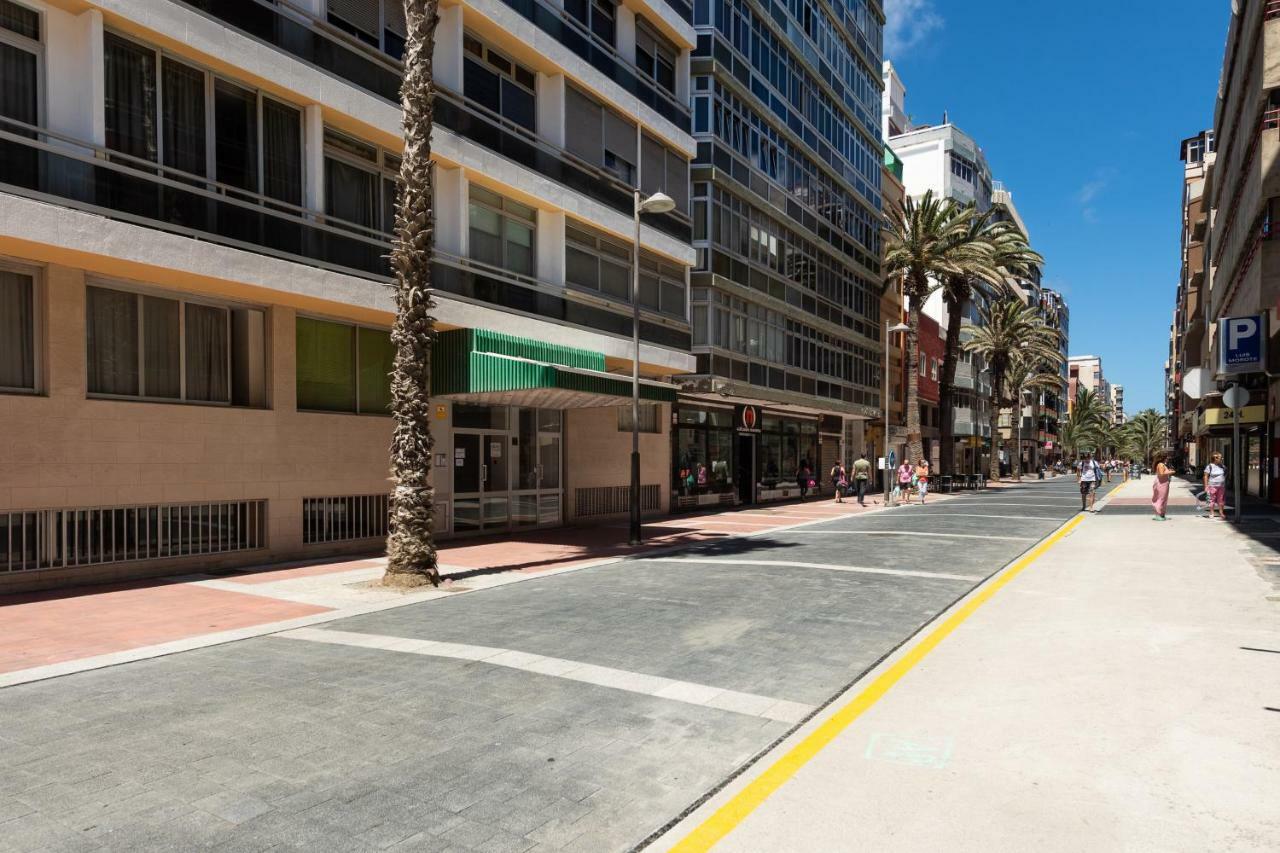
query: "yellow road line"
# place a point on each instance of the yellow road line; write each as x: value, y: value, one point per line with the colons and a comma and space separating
x: 727, y: 817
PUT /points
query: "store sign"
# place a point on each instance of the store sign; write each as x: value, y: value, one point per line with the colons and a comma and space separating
x: 1241, y: 342
x: 747, y: 418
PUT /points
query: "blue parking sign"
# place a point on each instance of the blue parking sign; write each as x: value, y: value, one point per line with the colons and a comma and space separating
x: 1242, y: 344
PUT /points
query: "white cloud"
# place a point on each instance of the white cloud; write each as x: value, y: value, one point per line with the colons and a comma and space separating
x: 908, y: 23
x: 1089, y: 192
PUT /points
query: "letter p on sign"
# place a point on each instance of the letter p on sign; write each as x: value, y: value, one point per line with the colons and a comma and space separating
x: 1240, y: 329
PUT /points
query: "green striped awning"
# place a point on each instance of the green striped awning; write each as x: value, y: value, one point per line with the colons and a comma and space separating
x: 479, y: 366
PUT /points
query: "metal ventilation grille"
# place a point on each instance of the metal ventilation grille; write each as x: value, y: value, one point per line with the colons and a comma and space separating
x: 612, y: 500
x: 65, y: 538
x: 344, y: 518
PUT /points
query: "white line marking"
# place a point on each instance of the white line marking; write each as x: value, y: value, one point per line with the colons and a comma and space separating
x: 828, y: 566
x: 1055, y: 519
x: 751, y: 704
x: 918, y: 533
x: 1019, y: 503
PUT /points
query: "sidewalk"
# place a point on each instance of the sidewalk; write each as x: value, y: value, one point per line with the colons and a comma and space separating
x: 51, y: 633
x: 1120, y: 693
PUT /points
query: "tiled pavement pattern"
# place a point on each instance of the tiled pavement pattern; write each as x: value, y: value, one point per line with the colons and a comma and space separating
x: 277, y: 744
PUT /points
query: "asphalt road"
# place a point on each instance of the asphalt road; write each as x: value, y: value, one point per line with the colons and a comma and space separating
x: 580, y: 712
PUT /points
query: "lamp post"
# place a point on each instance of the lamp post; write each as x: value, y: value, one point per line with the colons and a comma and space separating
x: 884, y: 398
x: 659, y: 202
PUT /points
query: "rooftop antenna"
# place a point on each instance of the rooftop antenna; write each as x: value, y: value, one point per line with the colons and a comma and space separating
x: 945, y: 120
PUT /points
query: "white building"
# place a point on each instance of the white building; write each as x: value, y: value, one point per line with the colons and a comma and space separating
x: 195, y: 201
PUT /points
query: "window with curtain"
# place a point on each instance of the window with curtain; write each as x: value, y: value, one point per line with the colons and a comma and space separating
x: 19, y: 63
x: 281, y: 151
x: 378, y: 23
x: 499, y: 84
x: 502, y: 231
x: 343, y: 368
x: 360, y: 182
x: 183, y: 117
x: 170, y: 348
x: 17, y: 331
x: 129, y: 91
x: 598, y: 135
x: 597, y: 262
x: 235, y: 140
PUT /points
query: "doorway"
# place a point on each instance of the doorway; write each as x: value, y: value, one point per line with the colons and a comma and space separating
x: 508, y: 478
x: 746, y: 468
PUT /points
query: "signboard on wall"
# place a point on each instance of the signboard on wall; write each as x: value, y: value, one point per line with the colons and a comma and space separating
x: 747, y: 419
x: 1242, y: 344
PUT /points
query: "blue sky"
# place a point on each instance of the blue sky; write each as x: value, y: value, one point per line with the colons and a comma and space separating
x: 1080, y: 108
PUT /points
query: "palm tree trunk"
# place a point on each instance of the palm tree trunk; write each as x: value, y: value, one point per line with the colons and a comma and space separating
x: 1017, y: 437
x: 947, y: 388
x: 915, y: 447
x: 997, y: 442
x: 411, y: 552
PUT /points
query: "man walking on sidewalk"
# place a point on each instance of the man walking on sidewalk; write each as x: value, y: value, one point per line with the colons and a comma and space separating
x: 1087, y: 475
x: 861, y: 474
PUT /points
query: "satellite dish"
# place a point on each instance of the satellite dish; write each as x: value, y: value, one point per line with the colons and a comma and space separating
x: 1236, y: 398
x: 1197, y: 383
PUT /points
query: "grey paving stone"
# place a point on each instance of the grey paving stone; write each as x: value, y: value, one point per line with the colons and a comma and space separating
x: 233, y: 807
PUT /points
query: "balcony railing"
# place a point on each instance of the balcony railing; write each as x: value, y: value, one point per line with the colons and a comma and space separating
x: 515, y: 143
x: 314, y: 41
x: 48, y: 166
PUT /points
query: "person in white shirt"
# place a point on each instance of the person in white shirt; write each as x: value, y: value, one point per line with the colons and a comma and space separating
x: 1215, y: 486
x: 1088, y: 474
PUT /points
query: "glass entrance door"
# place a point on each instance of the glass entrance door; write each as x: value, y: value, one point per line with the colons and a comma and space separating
x: 508, y: 479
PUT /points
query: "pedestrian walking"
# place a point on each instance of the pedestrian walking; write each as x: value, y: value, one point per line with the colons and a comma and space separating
x: 862, y: 476
x: 1088, y: 475
x: 804, y: 479
x: 1160, y: 488
x: 922, y: 479
x: 839, y: 481
x: 1215, y: 486
x: 905, y: 473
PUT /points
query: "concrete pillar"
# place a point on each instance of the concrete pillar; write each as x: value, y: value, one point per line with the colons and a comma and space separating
x: 447, y: 59
x: 451, y: 211
x: 550, y: 247
x: 313, y: 157
x: 626, y: 33
x: 74, y: 85
x: 683, y: 84
x: 551, y: 108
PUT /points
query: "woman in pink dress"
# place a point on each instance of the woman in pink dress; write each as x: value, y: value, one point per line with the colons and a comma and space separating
x: 1160, y: 490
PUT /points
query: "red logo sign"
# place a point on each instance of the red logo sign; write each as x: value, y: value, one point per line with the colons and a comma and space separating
x: 748, y: 419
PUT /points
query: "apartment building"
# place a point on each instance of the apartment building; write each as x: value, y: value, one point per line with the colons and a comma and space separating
x: 892, y: 312
x: 947, y: 161
x: 1189, y: 333
x: 785, y: 290
x: 195, y: 200
x: 1117, y: 405
x: 1084, y: 372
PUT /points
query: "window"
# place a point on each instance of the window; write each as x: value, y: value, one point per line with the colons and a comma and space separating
x: 378, y: 23
x: 343, y: 368
x: 188, y: 119
x: 17, y: 331
x: 597, y: 262
x: 498, y: 84
x: 662, y: 286
x: 599, y: 16
x: 501, y: 231
x: 20, y: 54
x: 166, y: 348
x: 649, y: 414
x: 359, y: 182
x: 599, y: 136
x: 962, y: 168
x: 655, y: 56
x: 665, y: 170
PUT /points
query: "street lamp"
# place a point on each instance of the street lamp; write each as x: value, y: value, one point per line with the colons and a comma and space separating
x: 884, y: 399
x: 659, y: 202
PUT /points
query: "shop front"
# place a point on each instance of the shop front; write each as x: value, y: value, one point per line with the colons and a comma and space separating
x: 728, y: 455
x: 504, y: 409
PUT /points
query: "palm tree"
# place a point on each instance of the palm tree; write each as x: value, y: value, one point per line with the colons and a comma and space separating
x: 1009, y: 330
x: 1083, y: 428
x: 1022, y: 375
x: 1147, y: 432
x: 411, y: 552
x: 925, y: 241
x: 999, y: 250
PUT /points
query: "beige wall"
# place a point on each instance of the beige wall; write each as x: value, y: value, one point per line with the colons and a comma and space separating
x: 61, y: 449
x: 597, y: 454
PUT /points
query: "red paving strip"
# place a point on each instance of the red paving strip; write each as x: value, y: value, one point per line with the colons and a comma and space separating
x: 52, y: 627
x: 44, y: 628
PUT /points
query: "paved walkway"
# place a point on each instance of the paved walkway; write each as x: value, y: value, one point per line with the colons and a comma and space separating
x: 579, y: 710
x: 1121, y: 693
x: 52, y: 633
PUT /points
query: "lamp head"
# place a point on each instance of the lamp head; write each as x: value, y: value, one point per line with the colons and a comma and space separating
x: 900, y: 327
x: 659, y: 202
